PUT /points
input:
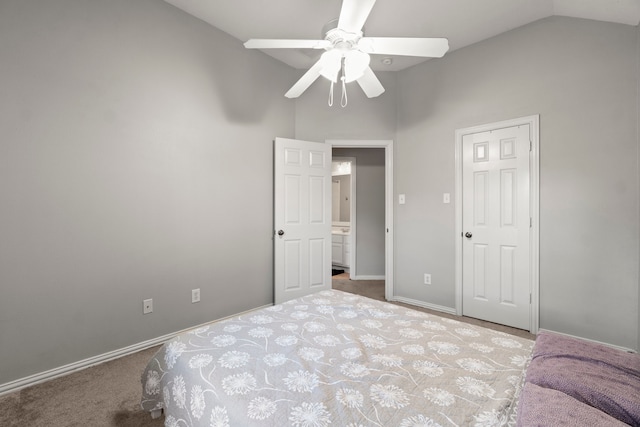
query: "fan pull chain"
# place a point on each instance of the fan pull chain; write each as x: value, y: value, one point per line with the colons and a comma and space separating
x: 331, y: 95
x: 343, y: 100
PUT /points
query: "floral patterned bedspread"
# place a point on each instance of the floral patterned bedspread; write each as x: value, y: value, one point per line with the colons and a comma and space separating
x: 337, y: 359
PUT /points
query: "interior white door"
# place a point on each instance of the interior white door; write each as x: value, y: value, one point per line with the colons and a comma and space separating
x: 302, y: 217
x: 496, y: 225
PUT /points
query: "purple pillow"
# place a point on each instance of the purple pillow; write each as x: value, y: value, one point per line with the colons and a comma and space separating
x: 601, y: 377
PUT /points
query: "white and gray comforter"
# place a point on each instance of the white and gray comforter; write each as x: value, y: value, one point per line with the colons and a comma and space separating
x: 337, y: 359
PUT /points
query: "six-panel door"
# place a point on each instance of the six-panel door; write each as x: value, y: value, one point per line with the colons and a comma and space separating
x: 302, y: 217
x: 496, y: 226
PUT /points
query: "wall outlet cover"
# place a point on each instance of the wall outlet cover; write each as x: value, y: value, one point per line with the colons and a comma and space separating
x: 147, y: 306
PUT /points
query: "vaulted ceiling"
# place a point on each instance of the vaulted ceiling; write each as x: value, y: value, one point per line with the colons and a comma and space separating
x: 463, y: 22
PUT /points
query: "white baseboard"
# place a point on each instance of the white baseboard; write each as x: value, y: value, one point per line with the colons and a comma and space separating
x: 367, y: 277
x: 423, y: 304
x: 51, y: 374
x: 628, y: 350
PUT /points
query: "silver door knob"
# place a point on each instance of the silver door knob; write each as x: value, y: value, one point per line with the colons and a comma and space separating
x: 468, y: 235
x: 280, y: 232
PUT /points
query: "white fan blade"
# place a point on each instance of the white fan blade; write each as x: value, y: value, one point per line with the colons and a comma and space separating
x: 406, y: 46
x: 305, y: 81
x: 370, y: 84
x: 286, y: 44
x: 353, y: 14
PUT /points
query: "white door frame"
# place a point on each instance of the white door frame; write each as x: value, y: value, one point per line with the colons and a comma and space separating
x: 534, y: 171
x: 388, y: 197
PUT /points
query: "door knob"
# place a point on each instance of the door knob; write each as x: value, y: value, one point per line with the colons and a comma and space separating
x: 280, y: 232
x: 468, y: 235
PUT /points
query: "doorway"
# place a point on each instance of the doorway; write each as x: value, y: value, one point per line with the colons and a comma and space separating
x: 386, y: 274
x: 497, y: 222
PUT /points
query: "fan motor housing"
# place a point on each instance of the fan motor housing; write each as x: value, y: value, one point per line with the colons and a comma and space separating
x: 340, y: 38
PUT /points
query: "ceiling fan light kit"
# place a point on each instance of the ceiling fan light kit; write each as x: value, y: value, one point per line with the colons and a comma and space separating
x: 348, y: 51
x: 331, y: 63
x: 355, y: 63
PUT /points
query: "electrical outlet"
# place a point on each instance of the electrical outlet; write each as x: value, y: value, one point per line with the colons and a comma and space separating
x: 427, y: 279
x: 147, y: 306
x: 195, y: 295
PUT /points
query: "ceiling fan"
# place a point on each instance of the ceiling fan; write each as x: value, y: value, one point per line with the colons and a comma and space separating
x: 347, y: 51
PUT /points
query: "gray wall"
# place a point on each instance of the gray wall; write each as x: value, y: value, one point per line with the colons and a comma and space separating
x: 370, y: 212
x: 581, y: 77
x: 362, y: 118
x: 136, y: 145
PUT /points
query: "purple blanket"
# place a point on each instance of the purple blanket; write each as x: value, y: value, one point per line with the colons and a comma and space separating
x: 601, y: 377
x: 548, y: 407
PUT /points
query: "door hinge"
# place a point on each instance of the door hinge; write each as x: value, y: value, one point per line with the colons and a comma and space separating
x: 530, y: 299
x: 530, y: 145
x: 530, y: 222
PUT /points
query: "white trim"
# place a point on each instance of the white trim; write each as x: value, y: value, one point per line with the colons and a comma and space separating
x: 352, y: 211
x: 51, y: 374
x: 423, y: 304
x: 534, y: 177
x: 366, y: 277
x: 617, y: 347
x: 388, y: 195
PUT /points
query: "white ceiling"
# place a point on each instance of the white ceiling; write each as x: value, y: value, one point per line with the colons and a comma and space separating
x: 463, y: 22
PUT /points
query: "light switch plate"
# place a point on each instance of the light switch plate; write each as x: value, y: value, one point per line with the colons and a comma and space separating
x: 446, y: 198
x: 401, y: 199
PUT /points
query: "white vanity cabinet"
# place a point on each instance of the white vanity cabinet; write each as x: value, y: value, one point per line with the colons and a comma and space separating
x: 340, y: 249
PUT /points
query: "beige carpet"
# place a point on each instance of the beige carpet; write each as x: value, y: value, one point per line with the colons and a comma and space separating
x: 109, y: 394
x: 368, y: 288
x: 103, y: 395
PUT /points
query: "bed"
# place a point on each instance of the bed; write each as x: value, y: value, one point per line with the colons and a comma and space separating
x: 337, y: 359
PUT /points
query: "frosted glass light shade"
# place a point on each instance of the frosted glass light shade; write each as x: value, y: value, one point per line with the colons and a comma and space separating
x: 331, y: 62
x: 355, y: 64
